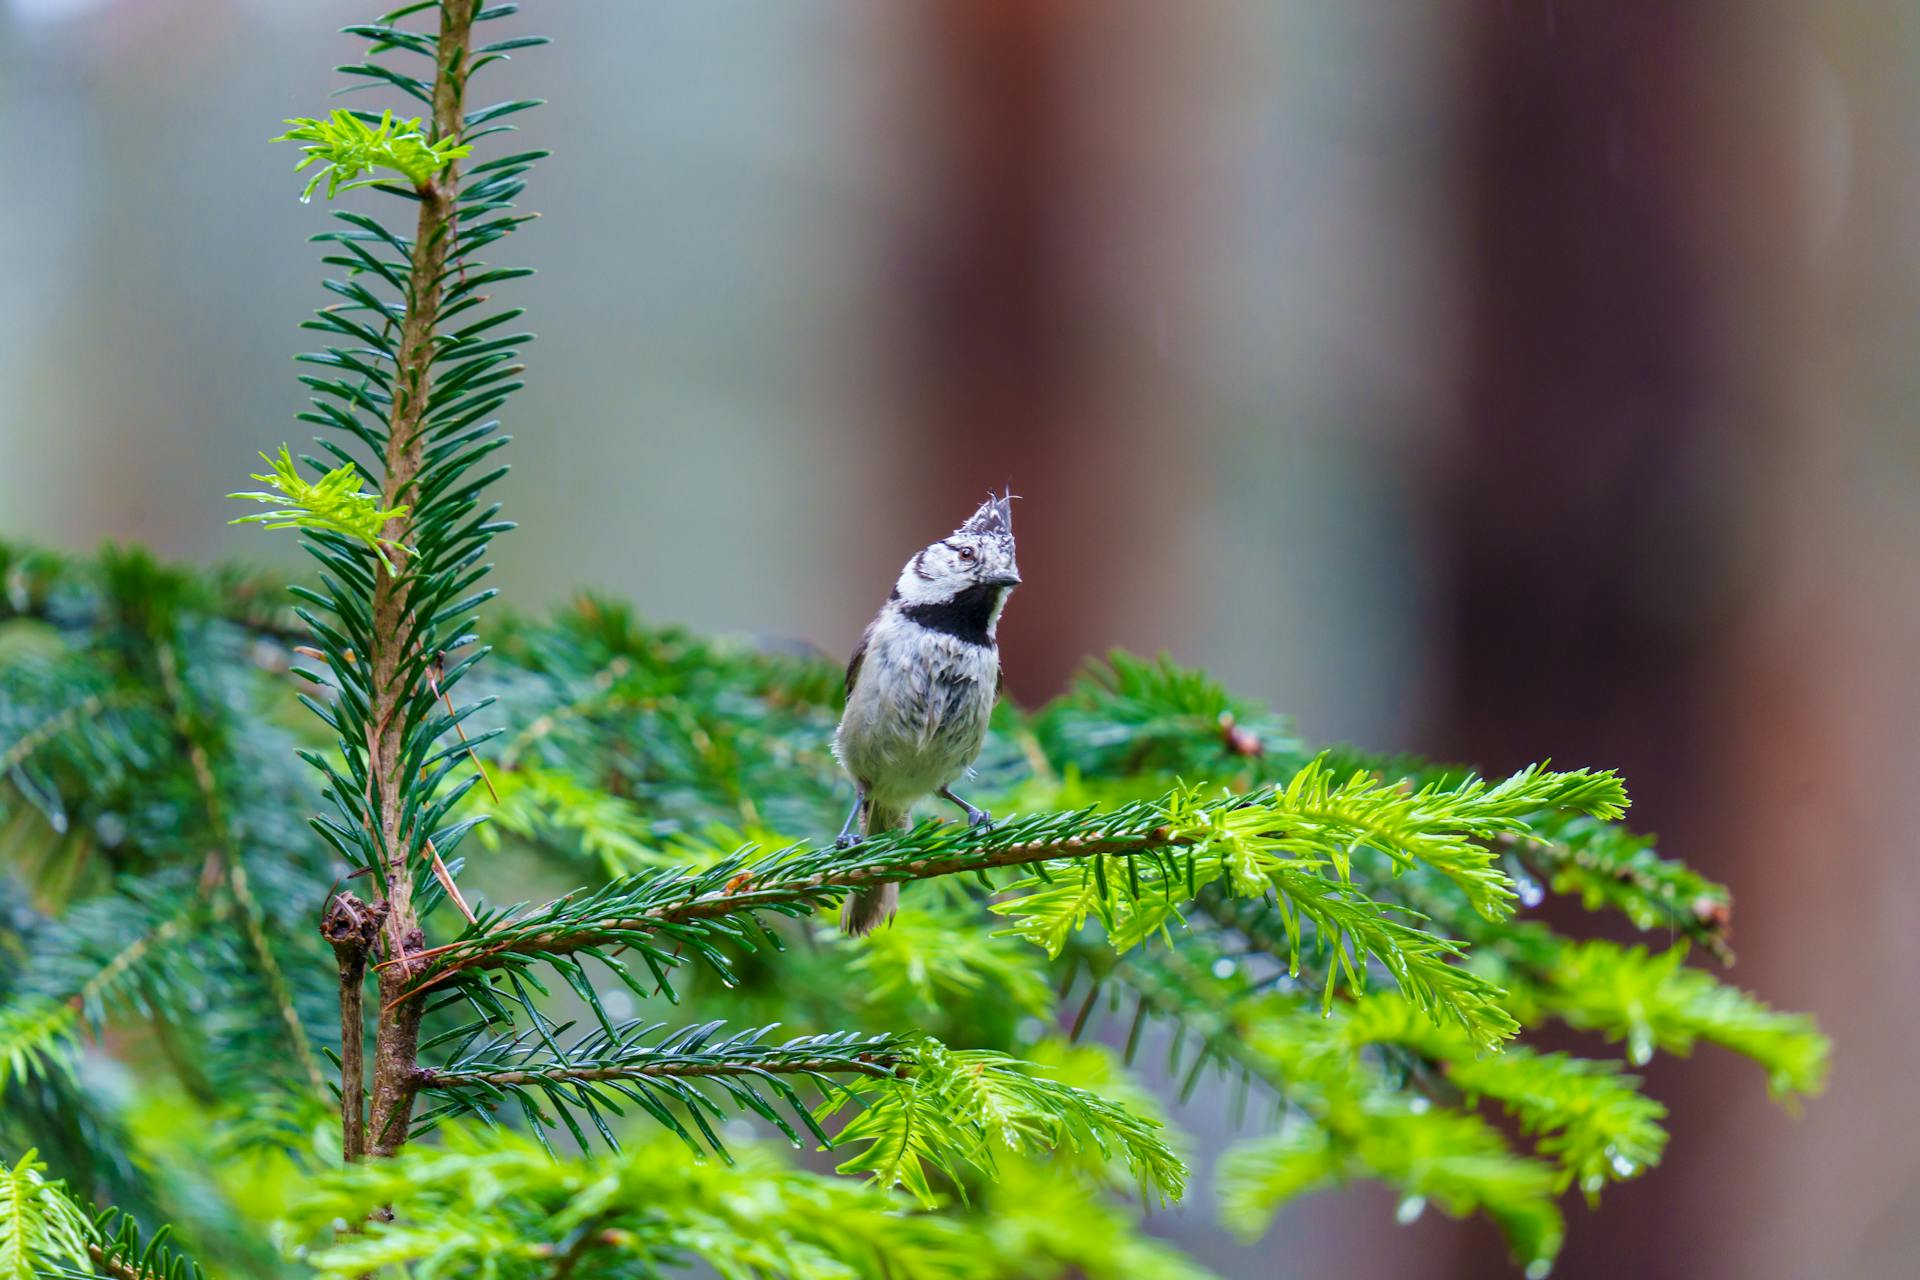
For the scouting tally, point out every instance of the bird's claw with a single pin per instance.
(978, 817)
(846, 841)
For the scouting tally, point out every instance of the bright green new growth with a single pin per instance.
(1656, 1002)
(39, 1223)
(491, 1204)
(333, 504)
(46, 1232)
(959, 1111)
(1296, 845)
(1588, 1116)
(348, 144)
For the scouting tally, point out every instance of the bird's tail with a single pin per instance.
(868, 909)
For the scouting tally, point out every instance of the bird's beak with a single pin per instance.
(1005, 580)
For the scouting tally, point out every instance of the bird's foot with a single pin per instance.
(846, 840)
(978, 817)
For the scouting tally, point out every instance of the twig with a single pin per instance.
(1707, 920)
(878, 1066)
(116, 1266)
(589, 1233)
(351, 926)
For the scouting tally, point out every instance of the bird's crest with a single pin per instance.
(993, 519)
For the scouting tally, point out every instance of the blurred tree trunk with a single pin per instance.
(1604, 484)
(1006, 359)
(1576, 490)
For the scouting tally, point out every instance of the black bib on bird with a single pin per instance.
(965, 617)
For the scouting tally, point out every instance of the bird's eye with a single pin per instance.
(966, 553)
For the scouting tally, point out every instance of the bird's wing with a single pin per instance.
(859, 656)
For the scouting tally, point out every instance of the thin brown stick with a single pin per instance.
(351, 926)
(114, 1265)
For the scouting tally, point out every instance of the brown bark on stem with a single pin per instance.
(351, 926)
(395, 628)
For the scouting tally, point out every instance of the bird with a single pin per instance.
(921, 687)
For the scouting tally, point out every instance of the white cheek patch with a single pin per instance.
(912, 587)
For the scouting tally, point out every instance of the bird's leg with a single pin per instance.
(975, 817)
(849, 835)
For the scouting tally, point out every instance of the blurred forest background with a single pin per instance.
(1493, 380)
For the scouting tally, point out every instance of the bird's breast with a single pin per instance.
(917, 715)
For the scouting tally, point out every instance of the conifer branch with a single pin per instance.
(1584, 1116)
(571, 1072)
(1610, 866)
(925, 1106)
(224, 861)
(45, 1230)
(414, 395)
(39, 1033)
(621, 1052)
(790, 882)
(23, 747)
(395, 638)
(796, 881)
(963, 1108)
(1654, 1001)
(1132, 865)
(1135, 714)
(661, 1075)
